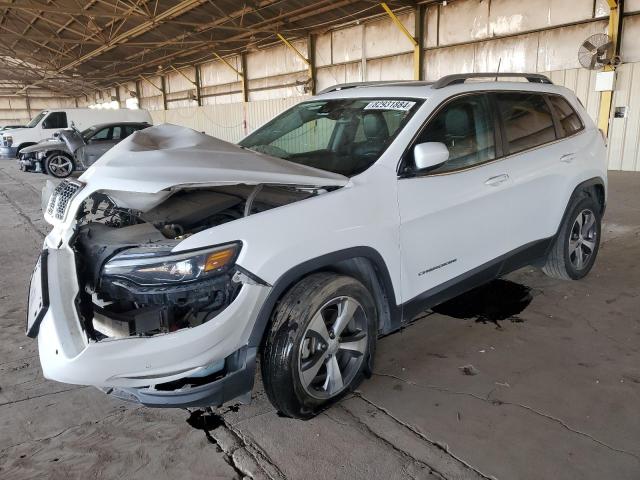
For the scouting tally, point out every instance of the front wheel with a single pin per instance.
(576, 246)
(59, 165)
(321, 343)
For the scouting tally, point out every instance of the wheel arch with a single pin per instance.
(593, 187)
(24, 145)
(363, 263)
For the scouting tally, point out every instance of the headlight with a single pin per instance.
(148, 266)
(8, 139)
(40, 155)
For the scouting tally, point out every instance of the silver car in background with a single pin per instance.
(72, 150)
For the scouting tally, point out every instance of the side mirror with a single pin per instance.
(429, 155)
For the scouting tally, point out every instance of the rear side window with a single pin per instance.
(465, 126)
(526, 119)
(55, 120)
(117, 133)
(570, 122)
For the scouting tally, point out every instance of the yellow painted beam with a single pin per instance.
(412, 39)
(180, 73)
(238, 72)
(606, 98)
(152, 84)
(297, 52)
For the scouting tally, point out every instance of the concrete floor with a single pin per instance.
(555, 394)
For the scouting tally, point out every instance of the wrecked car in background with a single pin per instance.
(70, 150)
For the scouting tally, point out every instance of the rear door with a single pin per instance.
(534, 163)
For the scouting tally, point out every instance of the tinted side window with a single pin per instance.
(569, 119)
(102, 134)
(117, 133)
(526, 119)
(129, 129)
(465, 126)
(55, 120)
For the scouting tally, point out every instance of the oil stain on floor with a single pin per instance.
(497, 300)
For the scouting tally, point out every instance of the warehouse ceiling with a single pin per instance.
(75, 47)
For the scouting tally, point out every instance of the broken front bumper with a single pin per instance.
(139, 368)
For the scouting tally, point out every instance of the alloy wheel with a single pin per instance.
(60, 166)
(333, 347)
(583, 239)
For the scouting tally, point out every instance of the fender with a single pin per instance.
(287, 279)
(586, 185)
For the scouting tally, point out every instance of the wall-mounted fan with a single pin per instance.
(596, 52)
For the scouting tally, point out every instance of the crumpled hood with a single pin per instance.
(45, 145)
(165, 156)
(72, 139)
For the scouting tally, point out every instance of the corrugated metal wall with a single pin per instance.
(231, 121)
(463, 36)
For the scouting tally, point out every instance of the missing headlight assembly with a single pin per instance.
(133, 284)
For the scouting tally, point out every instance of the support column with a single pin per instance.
(198, 84)
(243, 76)
(311, 55)
(616, 9)
(163, 83)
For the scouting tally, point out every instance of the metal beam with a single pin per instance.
(616, 10)
(296, 51)
(198, 85)
(163, 82)
(151, 83)
(179, 9)
(180, 73)
(238, 72)
(417, 51)
(310, 67)
(311, 54)
(245, 86)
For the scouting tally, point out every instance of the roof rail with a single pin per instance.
(344, 86)
(462, 77)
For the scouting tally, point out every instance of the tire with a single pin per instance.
(575, 248)
(59, 165)
(310, 358)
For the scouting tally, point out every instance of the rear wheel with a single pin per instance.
(320, 345)
(576, 246)
(59, 165)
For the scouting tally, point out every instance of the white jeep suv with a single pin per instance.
(178, 259)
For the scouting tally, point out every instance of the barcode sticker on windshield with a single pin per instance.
(402, 105)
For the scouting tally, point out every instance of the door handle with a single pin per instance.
(497, 180)
(568, 158)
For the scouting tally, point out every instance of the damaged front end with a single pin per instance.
(133, 284)
(131, 310)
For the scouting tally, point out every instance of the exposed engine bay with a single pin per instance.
(113, 304)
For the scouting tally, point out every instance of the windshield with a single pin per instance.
(343, 136)
(36, 120)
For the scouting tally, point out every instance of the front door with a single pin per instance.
(452, 217)
(98, 144)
